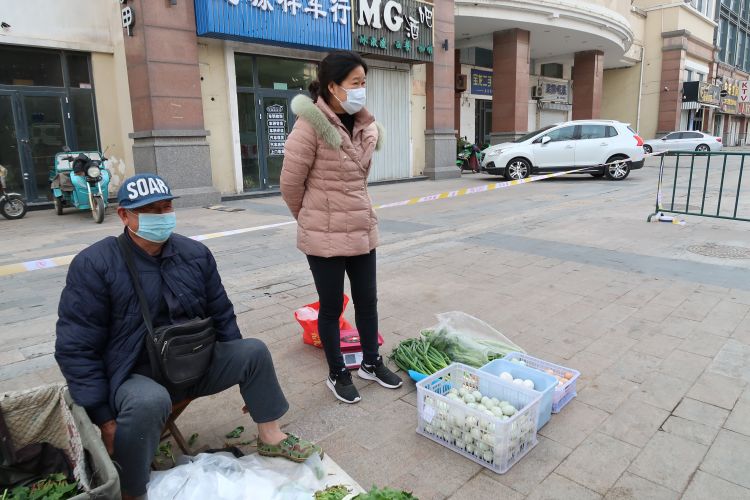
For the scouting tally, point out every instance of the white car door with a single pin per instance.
(670, 141)
(691, 140)
(559, 152)
(592, 146)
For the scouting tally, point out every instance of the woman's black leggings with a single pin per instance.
(328, 274)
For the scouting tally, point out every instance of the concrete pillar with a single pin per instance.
(510, 85)
(457, 99)
(440, 135)
(165, 94)
(588, 77)
(670, 91)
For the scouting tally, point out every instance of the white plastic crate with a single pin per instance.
(562, 395)
(494, 443)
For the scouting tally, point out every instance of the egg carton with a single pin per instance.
(491, 440)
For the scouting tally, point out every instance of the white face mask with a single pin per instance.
(355, 100)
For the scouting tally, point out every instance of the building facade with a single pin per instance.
(199, 91)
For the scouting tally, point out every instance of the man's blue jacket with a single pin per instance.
(100, 330)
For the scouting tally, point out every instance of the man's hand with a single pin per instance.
(108, 429)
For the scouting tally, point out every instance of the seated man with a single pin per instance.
(100, 336)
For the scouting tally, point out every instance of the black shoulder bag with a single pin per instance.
(179, 354)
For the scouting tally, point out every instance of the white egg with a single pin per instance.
(529, 384)
(518, 381)
(506, 376)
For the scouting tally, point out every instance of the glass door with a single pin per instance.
(276, 119)
(249, 150)
(10, 156)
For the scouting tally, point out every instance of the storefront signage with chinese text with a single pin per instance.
(555, 90)
(481, 82)
(276, 126)
(394, 28)
(709, 94)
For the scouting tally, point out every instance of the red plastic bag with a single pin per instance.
(307, 316)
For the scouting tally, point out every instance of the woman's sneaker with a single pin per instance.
(380, 374)
(342, 387)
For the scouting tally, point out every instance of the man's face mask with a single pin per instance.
(156, 228)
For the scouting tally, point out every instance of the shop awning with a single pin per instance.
(697, 105)
(559, 106)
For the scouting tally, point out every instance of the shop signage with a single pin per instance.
(128, 17)
(744, 96)
(276, 126)
(315, 24)
(709, 94)
(729, 98)
(481, 82)
(555, 90)
(395, 28)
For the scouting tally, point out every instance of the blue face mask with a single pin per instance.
(156, 228)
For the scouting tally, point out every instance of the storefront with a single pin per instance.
(697, 99)
(393, 36)
(728, 122)
(46, 104)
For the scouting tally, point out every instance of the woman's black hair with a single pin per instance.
(335, 67)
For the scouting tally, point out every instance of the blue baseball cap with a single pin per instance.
(143, 189)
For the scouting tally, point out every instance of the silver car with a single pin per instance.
(688, 140)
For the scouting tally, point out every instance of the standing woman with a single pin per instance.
(324, 184)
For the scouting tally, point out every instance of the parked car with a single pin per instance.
(569, 146)
(686, 140)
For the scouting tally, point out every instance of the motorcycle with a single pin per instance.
(12, 205)
(469, 157)
(81, 181)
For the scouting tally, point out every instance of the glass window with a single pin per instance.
(741, 50)
(248, 141)
(746, 67)
(746, 10)
(78, 70)
(612, 131)
(593, 132)
(552, 70)
(562, 134)
(243, 69)
(30, 67)
(85, 120)
(732, 45)
(285, 74)
(722, 39)
(673, 136)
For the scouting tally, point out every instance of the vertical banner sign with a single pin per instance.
(395, 28)
(744, 91)
(276, 126)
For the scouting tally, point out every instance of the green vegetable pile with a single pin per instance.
(55, 487)
(340, 491)
(461, 348)
(419, 355)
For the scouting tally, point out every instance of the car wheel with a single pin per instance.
(703, 148)
(517, 168)
(647, 149)
(619, 168)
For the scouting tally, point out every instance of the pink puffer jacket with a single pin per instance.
(324, 180)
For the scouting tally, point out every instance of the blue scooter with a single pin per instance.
(81, 180)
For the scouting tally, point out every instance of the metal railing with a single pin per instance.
(704, 185)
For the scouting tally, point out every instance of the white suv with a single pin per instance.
(569, 146)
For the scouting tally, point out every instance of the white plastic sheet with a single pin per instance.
(221, 476)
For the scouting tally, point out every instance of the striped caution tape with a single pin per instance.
(36, 265)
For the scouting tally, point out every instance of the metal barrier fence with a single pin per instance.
(704, 185)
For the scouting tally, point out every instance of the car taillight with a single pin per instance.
(718, 139)
(638, 140)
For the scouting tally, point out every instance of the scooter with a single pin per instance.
(469, 157)
(81, 180)
(12, 205)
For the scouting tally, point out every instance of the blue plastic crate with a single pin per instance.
(543, 383)
(562, 395)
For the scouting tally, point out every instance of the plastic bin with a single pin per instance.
(506, 441)
(48, 414)
(562, 395)
(543, 383)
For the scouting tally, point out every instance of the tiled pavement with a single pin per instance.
(569, 269)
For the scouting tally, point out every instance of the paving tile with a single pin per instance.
(739, 419)
(598, 462)
(632, 487)
(634, 422)
(590, 364)
(669, 461)
(729, 458)
(717, 390)
(610, 346)
(483, 486)
(726, 316)
(635, 366)
(675, 326)
(11, 356)
(525, 475)
(685, 365)
(697, 306)
(556, 487)
(704, 485)
(703, 344)
(688, 429)
(662, 390)
(571, 426)
(607, 392)
(733, 360)
(703, 413)
(657, 345)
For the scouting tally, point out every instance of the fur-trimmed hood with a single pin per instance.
(322, 119)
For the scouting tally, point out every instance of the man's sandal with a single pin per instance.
(292, 448)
